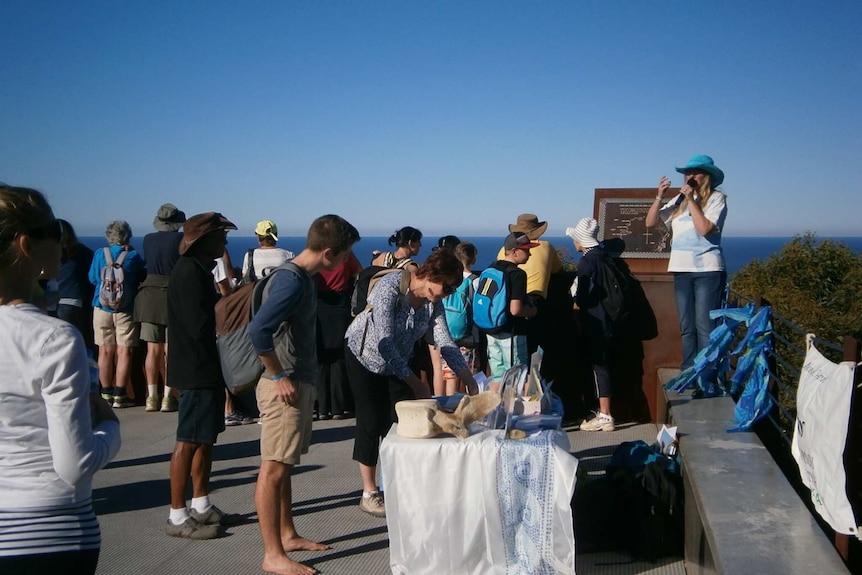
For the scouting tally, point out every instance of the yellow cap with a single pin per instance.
(267, 228)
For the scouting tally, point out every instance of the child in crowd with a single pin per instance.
(507, 345)
(466, 253)
(437, 378)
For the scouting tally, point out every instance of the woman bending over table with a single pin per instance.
(380, 341)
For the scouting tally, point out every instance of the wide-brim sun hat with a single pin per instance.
(530, 225)
(705, 163)
(200, 225)
(586, 232)
(169, 218)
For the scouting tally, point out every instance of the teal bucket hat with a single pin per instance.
(705, 163)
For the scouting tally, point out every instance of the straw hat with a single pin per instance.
(530, 225)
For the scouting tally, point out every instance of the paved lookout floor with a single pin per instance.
(131, 498)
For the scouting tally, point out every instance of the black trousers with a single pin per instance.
(375, 397)
(65, 563)
(537, 327)
(332, 393)
(333, 317)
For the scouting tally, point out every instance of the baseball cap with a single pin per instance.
(518, 240)
(267, 228)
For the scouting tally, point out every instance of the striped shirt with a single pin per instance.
(37, 531)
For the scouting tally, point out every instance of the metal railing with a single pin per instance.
(785, 364)
(776, 429)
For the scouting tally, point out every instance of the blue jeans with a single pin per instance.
(696, 294)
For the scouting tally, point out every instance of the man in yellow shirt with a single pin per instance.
(543, 262)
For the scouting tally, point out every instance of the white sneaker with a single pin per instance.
(600, 422)
(373, 504)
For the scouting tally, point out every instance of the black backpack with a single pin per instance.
(249, 276)
(648, 511)
(365, 283)
(615, 293)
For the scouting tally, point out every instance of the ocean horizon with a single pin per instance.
(738, 251)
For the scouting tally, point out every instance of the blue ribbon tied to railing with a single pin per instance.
(752, 368)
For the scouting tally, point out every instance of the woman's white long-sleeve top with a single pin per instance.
(48, 448)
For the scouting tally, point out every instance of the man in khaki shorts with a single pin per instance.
(284, 333)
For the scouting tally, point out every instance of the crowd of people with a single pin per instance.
(321, 357)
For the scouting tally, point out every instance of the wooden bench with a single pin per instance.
(742, 517)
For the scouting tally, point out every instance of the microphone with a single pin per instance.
(692, 183)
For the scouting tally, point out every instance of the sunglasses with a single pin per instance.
(52, 231)
(448, 289)
(693, 172)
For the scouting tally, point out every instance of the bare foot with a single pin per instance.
(302, 544)
(283, 565)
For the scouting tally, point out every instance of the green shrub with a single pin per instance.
(567, 259)
(815, 284)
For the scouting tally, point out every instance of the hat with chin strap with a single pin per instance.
(169, 218)
(200, 225)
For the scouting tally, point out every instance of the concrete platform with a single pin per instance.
(131, 498)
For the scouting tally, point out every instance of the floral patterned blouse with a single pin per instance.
(382, 337)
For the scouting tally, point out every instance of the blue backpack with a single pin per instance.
(491, 301)
(458, 309)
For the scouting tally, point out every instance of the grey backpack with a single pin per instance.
(112, 287)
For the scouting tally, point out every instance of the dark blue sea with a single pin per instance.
(738, 251)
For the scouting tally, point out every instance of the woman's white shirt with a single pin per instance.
(48, 448)
(690, 251)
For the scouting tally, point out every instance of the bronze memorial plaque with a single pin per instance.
(624, 218)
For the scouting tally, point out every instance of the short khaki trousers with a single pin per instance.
(116, 328)
(286, 429)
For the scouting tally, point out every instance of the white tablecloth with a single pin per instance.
(483, 505)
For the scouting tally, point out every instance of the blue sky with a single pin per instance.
(450, 116)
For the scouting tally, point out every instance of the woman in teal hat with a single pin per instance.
(696, 217)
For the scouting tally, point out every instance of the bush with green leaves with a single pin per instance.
(567, 259)
(815, 284)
